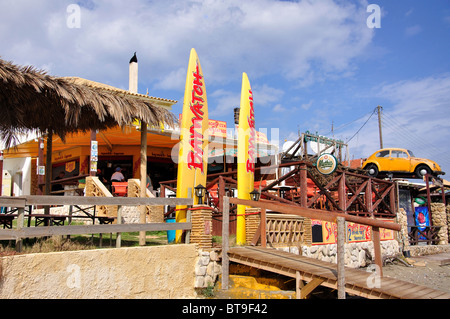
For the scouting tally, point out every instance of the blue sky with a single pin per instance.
(311, 64)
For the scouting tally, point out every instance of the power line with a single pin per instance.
(373, 112)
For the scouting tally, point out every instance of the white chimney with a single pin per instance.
(133, 81)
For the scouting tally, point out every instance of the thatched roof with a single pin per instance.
(32, 100)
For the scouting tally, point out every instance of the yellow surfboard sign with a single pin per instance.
(246, 155)
(193, 151)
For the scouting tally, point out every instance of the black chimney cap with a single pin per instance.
(134, 58)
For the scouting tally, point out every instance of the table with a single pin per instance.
(6, 220)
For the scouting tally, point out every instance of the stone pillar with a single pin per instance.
(252, 222)
(403, 238)
(201, 233)
(439, 218)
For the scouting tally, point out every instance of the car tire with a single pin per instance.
(421, 170)
(372, 170)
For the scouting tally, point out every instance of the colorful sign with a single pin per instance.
(215, 128)
(422, 218)
(246, 155)
(326, 164)
(94, 155)
(193, 151)
(324, 232)
(218, 128)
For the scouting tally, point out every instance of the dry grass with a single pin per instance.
(55, 243)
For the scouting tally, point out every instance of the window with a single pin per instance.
(383, 154)
(399, 154)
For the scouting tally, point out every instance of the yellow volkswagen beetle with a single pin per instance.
(399, 160)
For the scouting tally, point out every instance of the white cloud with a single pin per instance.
(279, 108)
(413, 30)
(225, 100)
(260, 37)
(306, 106)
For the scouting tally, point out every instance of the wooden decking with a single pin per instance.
(358, 282)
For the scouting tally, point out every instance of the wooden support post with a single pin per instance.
(263, 228)
(303, 185)
(298, 285)
(377, 249)
(368, 199)
(221, 192)
(310, 286)
(20, 221)
(48, 170)
(119, 221)
(342, 193)
(392, 199)
(41, 162)
(187, 238)
(225, 243)
(341, 257)
(143, 181)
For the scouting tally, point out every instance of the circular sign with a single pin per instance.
(326, 164)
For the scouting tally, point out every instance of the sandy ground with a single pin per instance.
(427, 271)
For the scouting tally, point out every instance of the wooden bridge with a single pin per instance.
(315, 272)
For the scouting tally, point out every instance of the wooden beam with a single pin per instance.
(324, 191)
(310, 286)
(124, 201)
(342, 194)
(119, 222)
(315, 213)
(356, 195)
(377, 249)
(303, 185)
(263, 228)
(143, 180)
(225, 243)
(88, 229)
(341, 231)
(10, 201)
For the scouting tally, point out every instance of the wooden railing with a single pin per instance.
(285, 230)
(95, 188)
(23, 232)
(331, 216)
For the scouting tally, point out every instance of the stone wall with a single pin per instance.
(439, 218)
(207, 267)
(136, 272)
(403, 233)
(357, 255)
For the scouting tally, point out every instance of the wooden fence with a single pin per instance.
(24, 232)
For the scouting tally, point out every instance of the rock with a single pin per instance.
(420, 264)
(200, 270)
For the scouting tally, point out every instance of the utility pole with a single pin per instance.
(379, 125)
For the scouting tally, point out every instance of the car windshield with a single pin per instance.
(411, 153)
